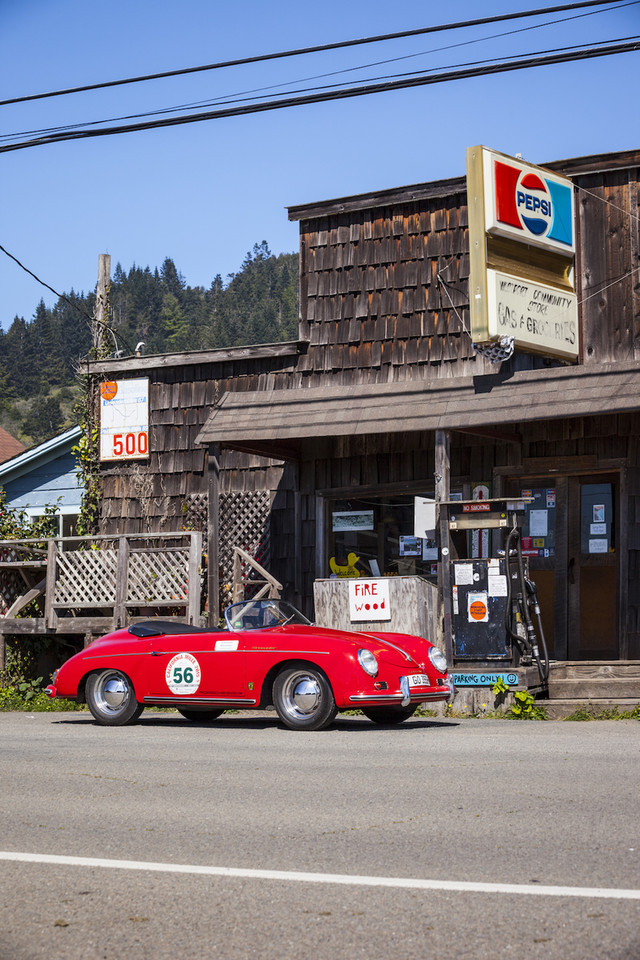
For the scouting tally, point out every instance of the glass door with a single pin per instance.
(571, 540)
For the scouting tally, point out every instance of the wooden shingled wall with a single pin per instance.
(384, 294)
(384, 280)
(159, 493)
(608, 215)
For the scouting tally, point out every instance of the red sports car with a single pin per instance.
(268, 655)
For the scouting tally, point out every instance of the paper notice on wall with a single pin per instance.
(598, 546)
(424, 512)
(497, 585)
(538, 523)
(463, 573)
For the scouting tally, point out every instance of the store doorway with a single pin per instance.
(571, 538)
(592, 568)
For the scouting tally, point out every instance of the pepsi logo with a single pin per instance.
(539, 206)
(534, 204)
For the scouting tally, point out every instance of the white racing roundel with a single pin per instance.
(183, 674)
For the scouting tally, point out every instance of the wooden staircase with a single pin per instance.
(594, 685)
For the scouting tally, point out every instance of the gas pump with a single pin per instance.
(492, 598)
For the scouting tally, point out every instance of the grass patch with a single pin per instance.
(12, 698)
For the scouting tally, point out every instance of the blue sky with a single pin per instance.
(204, 193)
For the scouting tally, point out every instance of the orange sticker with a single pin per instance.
(478, 610)
(108, 389)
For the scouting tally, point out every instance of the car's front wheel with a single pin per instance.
(204, 716)
(111, 698)
(303, 698)
(391, 714)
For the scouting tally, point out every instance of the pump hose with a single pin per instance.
(507, 556)
(542, 663)
(543, 671)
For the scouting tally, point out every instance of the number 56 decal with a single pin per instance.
(183, 674)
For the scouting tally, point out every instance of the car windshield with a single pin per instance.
(262, 614)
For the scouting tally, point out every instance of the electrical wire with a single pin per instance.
(232, 98)
(567, 55)
(62, 296)
(314, 49)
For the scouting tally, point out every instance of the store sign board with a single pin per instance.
(124, 419)
(522, 256)
(528, 204)
(369, 600)
(543, 319)
(349, 520)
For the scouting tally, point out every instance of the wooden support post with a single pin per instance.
(442, 493)
(122, 583)
(213, 535)
(50, 616)
(195, 567)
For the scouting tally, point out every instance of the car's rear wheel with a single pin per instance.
(303, 698)
(111, 698)
(391, 714)
(204, 716)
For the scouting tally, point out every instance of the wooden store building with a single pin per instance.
(311, 454)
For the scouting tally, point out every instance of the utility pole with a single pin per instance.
(102, 305)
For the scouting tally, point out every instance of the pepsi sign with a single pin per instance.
(529, 204)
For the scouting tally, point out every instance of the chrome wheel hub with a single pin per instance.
(306, 695)
(114, 693)
(301, 696)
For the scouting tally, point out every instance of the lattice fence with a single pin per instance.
(88, 578)
(196, 514)
(244, 522)
(158, 577)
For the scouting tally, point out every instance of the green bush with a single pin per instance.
(34, 701)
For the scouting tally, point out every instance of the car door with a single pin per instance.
(199, 668)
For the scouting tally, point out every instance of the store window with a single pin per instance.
(539, 526)
(375, 537)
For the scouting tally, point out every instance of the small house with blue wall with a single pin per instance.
(45, 476)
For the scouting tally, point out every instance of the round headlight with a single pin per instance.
(438, 659)
(368, 662)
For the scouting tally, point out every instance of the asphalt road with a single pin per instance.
(533, 810)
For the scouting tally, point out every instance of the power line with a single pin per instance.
(231, 98)
(320, 48)
(566, 55)
(62, 296)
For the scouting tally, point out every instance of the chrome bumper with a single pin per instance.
(404, 698)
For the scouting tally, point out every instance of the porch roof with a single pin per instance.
(263, 420)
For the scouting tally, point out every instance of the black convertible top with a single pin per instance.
(157, 628)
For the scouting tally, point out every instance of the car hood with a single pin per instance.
(399, 649)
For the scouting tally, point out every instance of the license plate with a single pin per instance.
(418, 680)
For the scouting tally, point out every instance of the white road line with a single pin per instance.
(536, 890)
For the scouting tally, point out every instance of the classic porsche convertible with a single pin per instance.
(268, 655)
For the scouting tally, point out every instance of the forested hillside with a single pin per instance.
(259, 304)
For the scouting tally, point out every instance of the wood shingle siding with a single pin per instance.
(153, 495)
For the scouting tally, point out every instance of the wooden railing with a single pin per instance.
(242, 578)
(82, 584)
